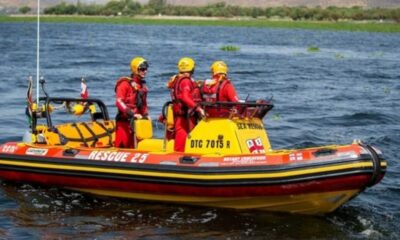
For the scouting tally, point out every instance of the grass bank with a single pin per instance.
(334, 26)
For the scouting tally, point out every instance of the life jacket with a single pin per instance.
(121, 80)
(140, 95)
(211, 92)
(176, 94)
(136, 99)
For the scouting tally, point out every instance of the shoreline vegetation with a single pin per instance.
(362, 26)
(158, 12)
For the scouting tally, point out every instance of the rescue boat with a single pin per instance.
(228, 161)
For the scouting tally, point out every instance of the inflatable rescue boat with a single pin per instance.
(228, 161)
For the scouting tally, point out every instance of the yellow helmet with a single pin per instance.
(78, 109)
(137, 63)
(186, 65)
(219, 67)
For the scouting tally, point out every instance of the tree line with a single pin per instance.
(160, 7)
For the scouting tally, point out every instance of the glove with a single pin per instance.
(130, 112)
(138, 116)
(146, 116)
(201, 112)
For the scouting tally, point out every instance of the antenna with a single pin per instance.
(37, 52)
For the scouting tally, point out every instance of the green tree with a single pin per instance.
(91, 9)
(157, 5)
(61, 8)
(296, 14)
(113, 8)
(24, 9)
(334, 16)
(269, 12)
(233, 10)
(280, 12)
(395, 15)
(256, 12)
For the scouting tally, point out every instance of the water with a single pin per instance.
(348, 90)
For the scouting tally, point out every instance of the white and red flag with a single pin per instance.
(84, 89)
(255, 145)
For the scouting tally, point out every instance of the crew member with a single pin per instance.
(219, 88)
(185, 96)
(131, 101)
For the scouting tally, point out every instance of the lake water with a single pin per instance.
(349, 89)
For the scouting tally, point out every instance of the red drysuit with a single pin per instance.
(131, 98)
(185, 95)
(218, 89)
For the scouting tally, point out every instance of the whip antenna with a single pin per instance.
(37, 52)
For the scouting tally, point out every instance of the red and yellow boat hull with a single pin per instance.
(307, 181)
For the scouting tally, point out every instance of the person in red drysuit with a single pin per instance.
(131, 101)
(218, 89)
(185, 97)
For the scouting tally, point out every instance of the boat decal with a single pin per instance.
(296, 156)
(255, 145)
(139, 158)
(108, 156)
(114, 156)
(9, 148)
(244, 160)
(210, 143)
(250, 125)
(36, 151)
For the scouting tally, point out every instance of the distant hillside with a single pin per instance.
(290, 3)
(14, 5)
(32, 3)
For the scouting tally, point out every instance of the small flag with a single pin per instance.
(255, 145)
(84, 89)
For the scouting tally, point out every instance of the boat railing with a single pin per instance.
(101, 112)
(248, 109)
(97, 132)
